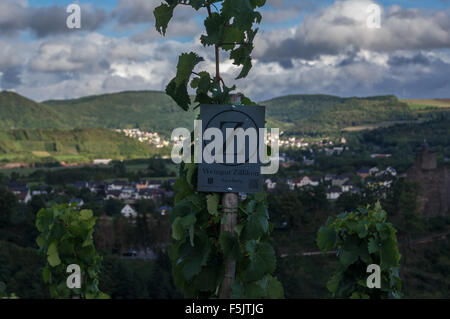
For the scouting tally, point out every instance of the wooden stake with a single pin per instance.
(230, 203)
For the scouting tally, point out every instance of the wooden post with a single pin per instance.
(230, 206)
(230, 203)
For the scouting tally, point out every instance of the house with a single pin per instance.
(128, 211)
(129, 193)
(142, 185)
(41, 190)
(374, 170)
(391, 171)
(334, 193)
(21, 190)
(338, 150)
(330, 177)
(271, 184)
(145, 193)
(81, 185)
(113, 194)
(117, 185)
(96, 187)
(363, 173)
(303, 181)
(347, 186)
(339, 180)
(102, 161)
(155, 184)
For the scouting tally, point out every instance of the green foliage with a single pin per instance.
(229, 28)
(362, 238)
(200, 249)
(67, 238)
(324, 114)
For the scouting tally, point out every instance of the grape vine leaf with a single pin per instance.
(163, 14)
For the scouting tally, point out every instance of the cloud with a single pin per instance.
(330, 51)
(10, 78)
(342, 25)
(16, 16)
(132, 12)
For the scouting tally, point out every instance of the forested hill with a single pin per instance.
(310, 114)
(152, 110)
(17, 111)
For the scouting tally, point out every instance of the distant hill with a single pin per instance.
(139, 109)
(301, 114)
(17, 111)
(77, 145)
(317, 114)
(421, 104)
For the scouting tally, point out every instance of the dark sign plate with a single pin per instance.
(237, 175)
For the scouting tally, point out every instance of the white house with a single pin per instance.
(128, 211)
(391, 170)
(270, 184)
(334, 193)
(102, 161)
(339, 180)
(374, 170)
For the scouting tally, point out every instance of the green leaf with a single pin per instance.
(262, 260)
(326, 238)
(212, 202)
(373, 245)
(389, 253)
(242, 55)
(214, 25)
(180, 225)
(86, 214)
(186, 64)
(197, 4)
(46, 275)
(242, 12)
(40, 240)
(163, 14)
(179, 94)
(190, 170)
(238, 229)
(333, 283)
(233, 35)
(275, 289)
(348, 257)
(52, 255)
(258, 3)
(230, 245)
(257, 224)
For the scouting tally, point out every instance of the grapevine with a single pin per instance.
(199, 248)
(66, 239)
(362, 238)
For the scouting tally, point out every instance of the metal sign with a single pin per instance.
(238, 168)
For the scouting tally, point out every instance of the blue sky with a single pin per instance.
(304, 47)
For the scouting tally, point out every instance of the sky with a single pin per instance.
(303, 47)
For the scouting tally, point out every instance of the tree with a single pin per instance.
(8, 202)
(199, 250)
